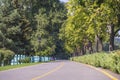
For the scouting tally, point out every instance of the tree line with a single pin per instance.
(90, 24)
(53, 28)
(30, 27)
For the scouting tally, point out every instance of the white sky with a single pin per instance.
(64, 0)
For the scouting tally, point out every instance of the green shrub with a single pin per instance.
(1, 57)
(6, 56)
(105, 60)
(25, 60)
(118, 68)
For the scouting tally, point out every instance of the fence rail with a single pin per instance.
(16, 59)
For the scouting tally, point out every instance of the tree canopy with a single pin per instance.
(90, 24)
(31, 27)
(53, 28)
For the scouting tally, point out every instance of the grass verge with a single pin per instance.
(16, 66)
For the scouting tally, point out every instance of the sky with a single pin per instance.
(64, 0)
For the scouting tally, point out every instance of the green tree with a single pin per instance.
(114, 20)
(49, 19)
(16, 26)
(87, 24)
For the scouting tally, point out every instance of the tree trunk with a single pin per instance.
(96, 44)
(73, 55)
(118, 17)
(90, 47)
(111, 32)
(99, 43)
(82, 49)
(78, 51)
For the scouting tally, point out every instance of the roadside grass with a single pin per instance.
(16, 66)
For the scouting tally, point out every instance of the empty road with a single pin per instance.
(58, 70)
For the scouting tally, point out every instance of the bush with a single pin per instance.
(6, 56)
(25, 60)
(105, 60)
(1, 58)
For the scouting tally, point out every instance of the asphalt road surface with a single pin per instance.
(58, 70)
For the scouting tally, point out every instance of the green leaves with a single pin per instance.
(48, 22)
(102, 59)
(87, 19)
(6, 56)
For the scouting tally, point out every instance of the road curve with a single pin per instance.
(59, 70)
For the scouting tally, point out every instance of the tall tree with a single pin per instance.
(114, 20)
(87, 25)
(16, 25)
(49, 19)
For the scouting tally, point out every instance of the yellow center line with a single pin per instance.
(102, 71)
(106, 73)
(50, 72)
